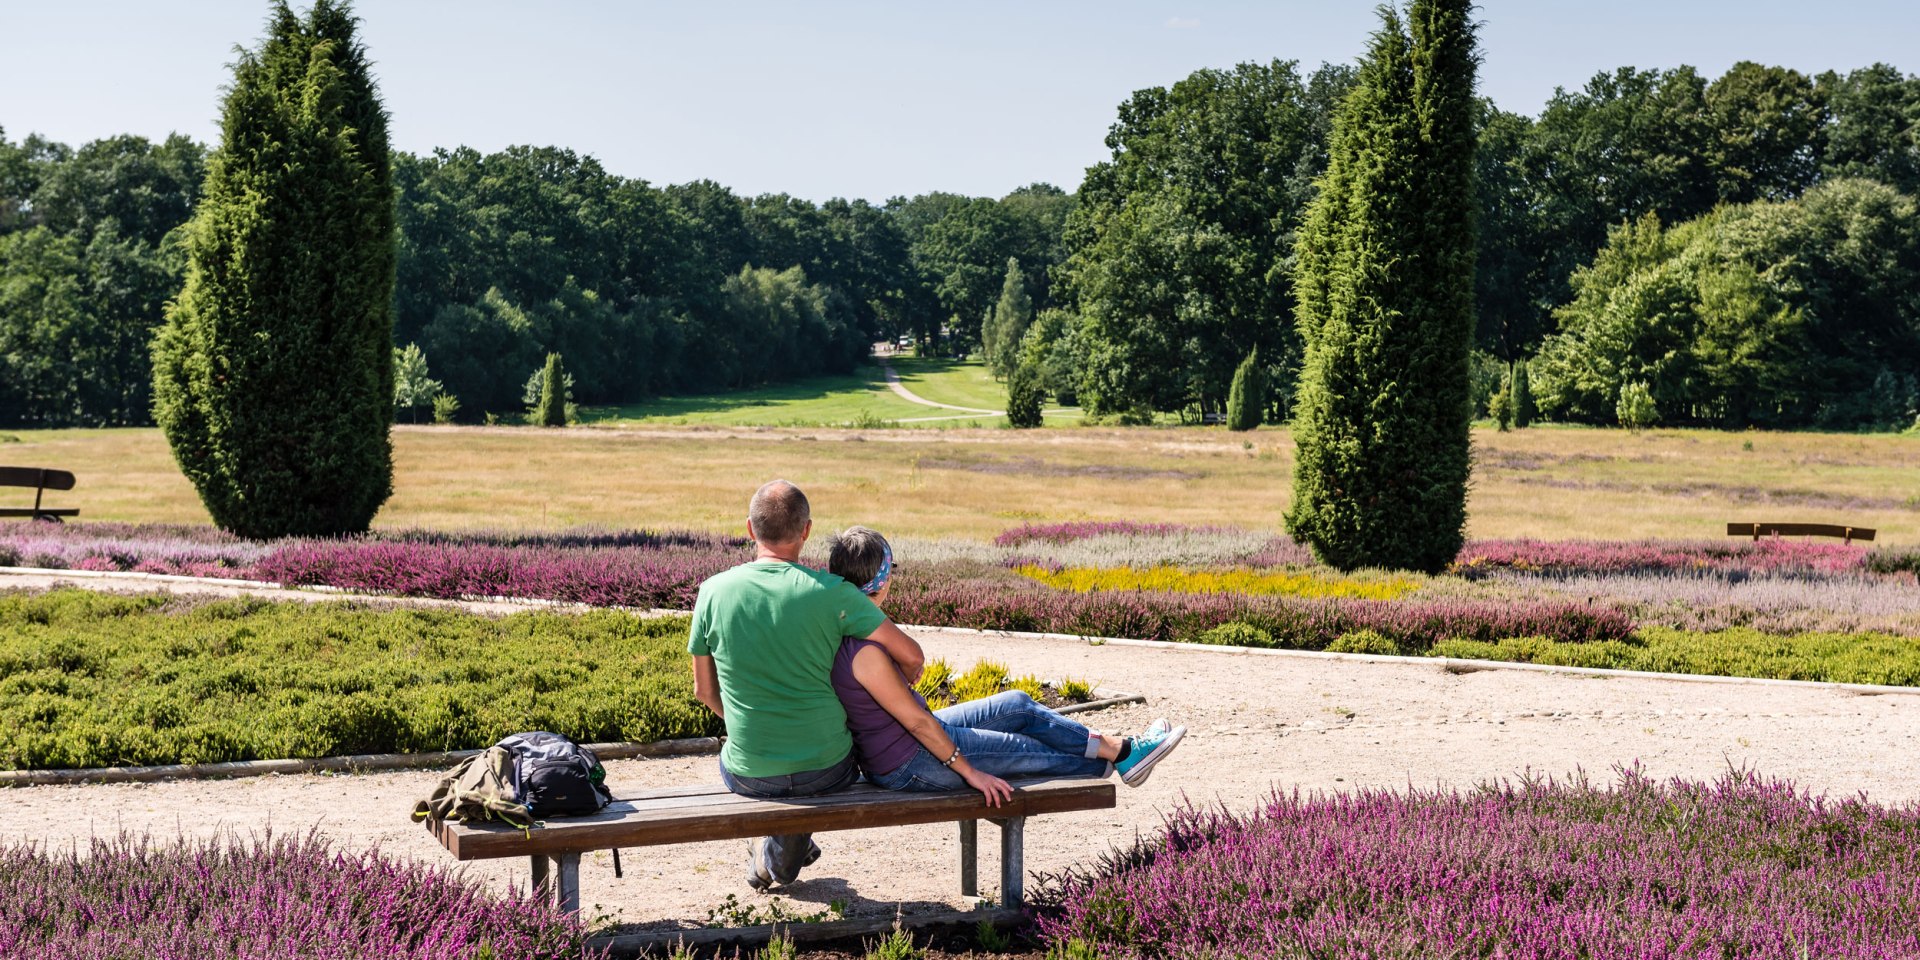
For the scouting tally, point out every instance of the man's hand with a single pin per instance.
(904, 650)
(706, 684)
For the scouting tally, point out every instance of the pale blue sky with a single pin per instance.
(844, 99)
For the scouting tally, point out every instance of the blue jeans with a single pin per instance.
(1006, 735)
(780, 858)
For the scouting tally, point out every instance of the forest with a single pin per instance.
(1732, 251)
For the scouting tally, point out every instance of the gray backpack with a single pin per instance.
(555, 777)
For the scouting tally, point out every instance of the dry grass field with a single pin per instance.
(1554, 483)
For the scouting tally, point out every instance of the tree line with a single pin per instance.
(1741, 247)
(504, 258)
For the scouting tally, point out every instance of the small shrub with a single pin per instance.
(779, 948)
(990, 938)
(1074, 691)
(934, 676)
(984, 680)
(1237, 634)
(898, 945)
(1025, 394)
(1637, 410)
(446, 408)
(556, 391)
(1027, 684)
(1364, 641)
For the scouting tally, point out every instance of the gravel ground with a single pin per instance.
(1257, 723)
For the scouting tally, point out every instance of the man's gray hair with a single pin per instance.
(855, 556)
(779, 513)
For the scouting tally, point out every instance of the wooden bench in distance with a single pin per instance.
(1758, 530)
(41, 481)
(692, 814)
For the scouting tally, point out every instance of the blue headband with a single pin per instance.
(886, 570)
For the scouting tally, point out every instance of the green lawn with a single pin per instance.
(859, 397)
(963, 383)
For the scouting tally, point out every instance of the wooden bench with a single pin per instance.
(1758, 530)
(692, 814)
(41, 481)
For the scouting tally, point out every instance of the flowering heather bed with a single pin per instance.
(1741, 867)
(1170, 579)
(1603, 557)
(260, 899)
(1265, 620)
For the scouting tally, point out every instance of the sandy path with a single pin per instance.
(1258, 722)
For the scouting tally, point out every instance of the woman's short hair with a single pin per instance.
(855, 555)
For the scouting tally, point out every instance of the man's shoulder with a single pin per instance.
(784, 577)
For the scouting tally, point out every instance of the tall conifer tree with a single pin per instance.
(273, 375)
(1385, 286)
(1007, 324)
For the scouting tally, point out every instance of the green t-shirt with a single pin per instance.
(772, 629)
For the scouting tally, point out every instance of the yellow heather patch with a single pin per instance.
(1253, 582)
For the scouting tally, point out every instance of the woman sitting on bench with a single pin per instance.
(902, 745)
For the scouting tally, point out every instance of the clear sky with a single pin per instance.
(844, 99)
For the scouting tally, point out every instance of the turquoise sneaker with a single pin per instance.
(1148, 749)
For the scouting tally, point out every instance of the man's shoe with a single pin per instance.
(1148, 749)
(760, 878)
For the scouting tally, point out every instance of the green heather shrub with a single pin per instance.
(984, 680)
(1738, 652)
(89, 679)
(1027, 684)
(932, 677)
(1364, 641)
(1237, 634)
(1078, 691)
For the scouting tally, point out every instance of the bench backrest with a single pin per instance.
(36, 477)
(1758, 530)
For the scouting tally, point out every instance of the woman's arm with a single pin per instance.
(876, 672)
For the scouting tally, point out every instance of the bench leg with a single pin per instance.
(542, 889)
(567, 895)
(969, 858)
(1013, 872)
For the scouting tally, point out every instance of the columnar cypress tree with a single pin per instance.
(1384, 280)
(1524, 409)
(273, 375)
(1006, 325)
(1249, 394)
(553, 394)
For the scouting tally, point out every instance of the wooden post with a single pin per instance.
(568, 893)
(1013, 874)
(541, 889)
(969, 858)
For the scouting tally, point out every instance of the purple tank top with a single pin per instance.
(881, 743)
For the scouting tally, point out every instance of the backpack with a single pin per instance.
(477, 790)
(554, 777)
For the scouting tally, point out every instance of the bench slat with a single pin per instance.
(43, 512)
(36, 477)
(670, 819)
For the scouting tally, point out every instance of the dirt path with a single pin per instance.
(1258, 723)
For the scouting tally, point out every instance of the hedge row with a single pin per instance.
(90, 679)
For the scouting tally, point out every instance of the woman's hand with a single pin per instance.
(996, 789)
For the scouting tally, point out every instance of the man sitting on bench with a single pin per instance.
(763, 639)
